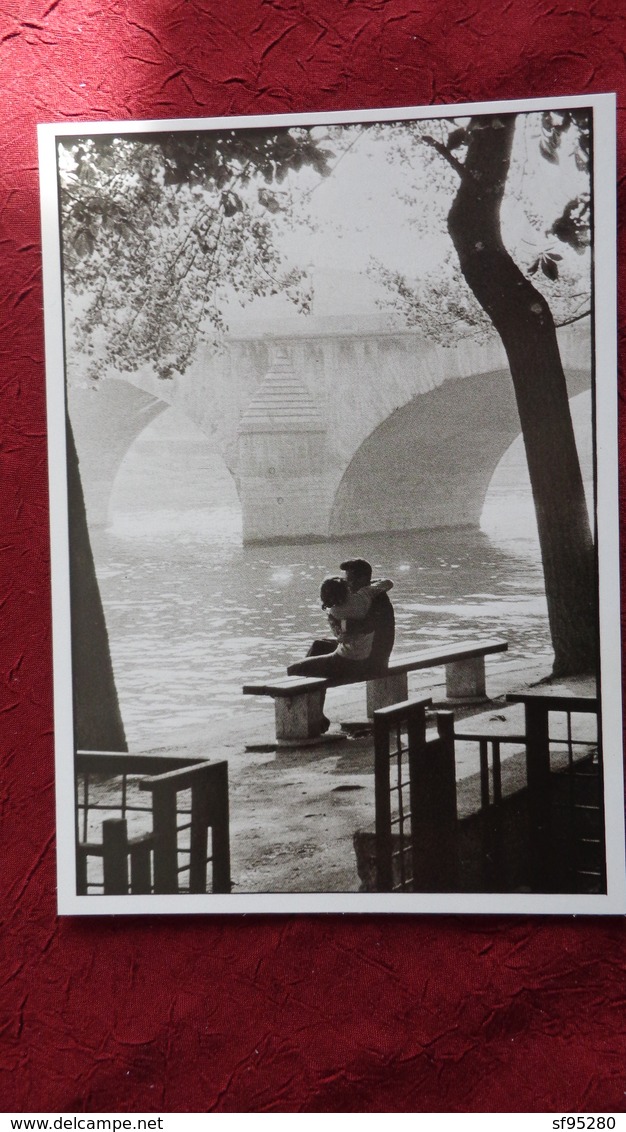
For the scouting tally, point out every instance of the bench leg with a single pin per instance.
(298, 718)
(386, 690)
(465, 679)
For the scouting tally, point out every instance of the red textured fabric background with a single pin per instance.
(253, 1014)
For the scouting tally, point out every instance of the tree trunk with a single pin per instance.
(524, 322)
(97, 719)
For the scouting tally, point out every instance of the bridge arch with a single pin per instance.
(430, 463)
(358, 381)
(107, 420)
(173, 483)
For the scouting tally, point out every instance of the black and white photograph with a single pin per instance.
(332, 434)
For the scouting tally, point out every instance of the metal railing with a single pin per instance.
(562, 776)
(494, 824)
(565, 786)
(415, 795)
(176, 805)
(538, 825)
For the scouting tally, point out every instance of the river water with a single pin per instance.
(192, 614)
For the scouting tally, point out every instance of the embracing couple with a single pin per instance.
(362, 622)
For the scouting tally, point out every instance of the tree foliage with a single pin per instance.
(546, 232)
(161, 231)
(164, 232)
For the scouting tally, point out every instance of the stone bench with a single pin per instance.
(298, 699)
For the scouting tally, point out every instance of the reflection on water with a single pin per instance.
(192, 614)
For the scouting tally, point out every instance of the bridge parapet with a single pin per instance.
(331, 428)
(373, 371)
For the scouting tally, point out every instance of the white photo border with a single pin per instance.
(613, 901)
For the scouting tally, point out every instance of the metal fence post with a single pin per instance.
(165, 838)
(384, 862)
(115, 856)
(140, 872)
(198, 837)
(433, 809)
(220, 829)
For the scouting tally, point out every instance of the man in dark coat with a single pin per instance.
(380, 620)
(358, 573)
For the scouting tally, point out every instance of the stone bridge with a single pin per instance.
(329, 432)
